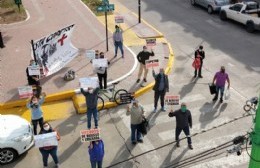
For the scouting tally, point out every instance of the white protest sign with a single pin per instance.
(25, 91)
(172, 99)
(90, 54)
(89, 82)
(99, 63)
(90, 135)
(34, 70)
(150, 42)
(48, 139)
(119, 19)
(151, 63)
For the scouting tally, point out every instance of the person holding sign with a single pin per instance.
(161, 86)
(91, 96)
(34, 80)
(118, 41)
(183, 123)
(142, 57)
(136, 112)
(36, 112)
(96, 153)
(49, 150)
(102, 73)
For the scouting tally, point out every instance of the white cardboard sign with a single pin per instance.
(172, 99)
(89, 82)
(90, 135)
(119, 19)
(25, 91)
(99, 63)
(34, 70)
(90, 54)
(43, 140)
(151, 63)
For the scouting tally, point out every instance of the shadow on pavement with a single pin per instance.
(188, 87)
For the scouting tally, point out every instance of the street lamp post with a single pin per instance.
(139, 11)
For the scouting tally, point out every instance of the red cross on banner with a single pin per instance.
(61, 40)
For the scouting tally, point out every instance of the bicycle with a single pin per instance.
(251, 104)
(113, 96)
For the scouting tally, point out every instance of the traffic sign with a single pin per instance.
(109, 7)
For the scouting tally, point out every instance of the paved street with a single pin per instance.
(185, 27)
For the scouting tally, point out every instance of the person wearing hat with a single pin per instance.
(118, 40)
(199, 53)
(183, 123)
(136, 112)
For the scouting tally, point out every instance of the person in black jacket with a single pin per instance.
(183, 123)
(161, 86)
(142, 57)
(199, 53)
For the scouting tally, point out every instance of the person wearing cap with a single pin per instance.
(220, 77)
(161, 86)
(199, 53)
(118, 40)
(136, 112)
(183, 123)
(142, 57)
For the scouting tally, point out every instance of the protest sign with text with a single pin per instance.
(150, 42)
(151, 63)
(100, 63)
(90, 135)
(90, 54)
(48, 139)
(25, 91)
(126, 98)
(89, 82)
(34, 70)
(172, 99)
(119, 19)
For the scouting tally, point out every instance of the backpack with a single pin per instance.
(70, 75)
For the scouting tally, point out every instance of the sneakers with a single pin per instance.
(214, 99)
(190, 146)
(155, 110)
(57, 166)
(140, 141)
(134, 143)
(178, 144)
(145, 80)
(138, 80)
(163, 109)
(200, 76)
(221, 100)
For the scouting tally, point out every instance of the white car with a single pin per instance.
(16, 137)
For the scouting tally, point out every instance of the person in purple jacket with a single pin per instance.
(96, 153)
(220, 77)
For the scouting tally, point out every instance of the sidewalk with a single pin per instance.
(134, 39)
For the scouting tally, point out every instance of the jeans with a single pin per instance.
(100, 78)
(120, 45)
(158, 94)
(93, 112)
(95, 164)
(186, 131)
(220, 89)
(135, 132)
(35, 123)
(195, 72)
(46, 153)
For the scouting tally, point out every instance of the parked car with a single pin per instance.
(16, 137)
(210, 5)
(247, 13)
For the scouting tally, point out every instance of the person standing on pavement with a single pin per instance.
(91, 96)
(142, 57)
(34, 80)
(183, 123)
(34, 105)
(118, 40)
(96, 153)
(161, 86)
(136, 112)
(49, 150)
(220, 77)
(102, 73)
(199, 53)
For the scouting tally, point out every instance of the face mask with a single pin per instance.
(91, 91)
(47, 128)
(117, 30)
(161, 73)
(145, 50)
(223, 70)
(34, 102)
(183, 109)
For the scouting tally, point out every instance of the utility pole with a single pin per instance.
(139, 11)
(255, 138)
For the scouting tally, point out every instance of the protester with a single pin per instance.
(91, 96)
(220, 77)
(34, 80)
(102, 73)
(199, 53)
(49, 150)
(142, 57)
(118, 40)
(136, 112)
(96, 152)
(183, 122)
(160, 88)
(36, 112)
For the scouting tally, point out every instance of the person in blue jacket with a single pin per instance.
(36, 112)
(96, 153)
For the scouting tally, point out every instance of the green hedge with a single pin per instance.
(93, 4)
